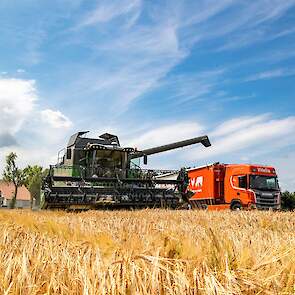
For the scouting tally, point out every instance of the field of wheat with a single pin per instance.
(147, 252)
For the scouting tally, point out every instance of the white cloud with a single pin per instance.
(17, 101)
(283, 33)
(246, 16)
(165, 134)
(243, 40)
(235, 124)
(248, 38)
(55, 118)
(135, 57)
(109, 10)
(21, 127)
(140, 55)
(141, 59)
(18, 98)
(20, 71)
(247, 23)
(247, 135)
(169, 132)
(276, 73)
(192, 86)
(202, 10)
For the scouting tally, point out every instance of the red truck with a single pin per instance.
(235, 186)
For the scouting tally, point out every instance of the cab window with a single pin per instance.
(242, 181)
(69, 154)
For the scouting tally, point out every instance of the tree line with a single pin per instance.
(31, 177)
(288, 201)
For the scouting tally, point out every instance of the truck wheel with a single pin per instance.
(236, 206)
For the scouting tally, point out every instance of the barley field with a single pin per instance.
(147, 252)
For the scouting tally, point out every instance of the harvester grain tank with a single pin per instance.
(98, 172)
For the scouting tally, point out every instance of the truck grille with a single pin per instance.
(267, 201)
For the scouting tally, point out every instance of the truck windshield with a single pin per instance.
(264, 182)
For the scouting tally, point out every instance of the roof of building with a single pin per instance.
(7, 191)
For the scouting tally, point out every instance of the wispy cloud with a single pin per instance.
(27, 26)
(243, 40)
(192, 86)
(275, 73)
(235, 124)
(133, 62)
(248, 134)
(266, 58)
(168, 133)
(248, 23)
(255, 139)
(244, 15)
(137, 56)
(143, 53)
(106, 11)
(254, 36)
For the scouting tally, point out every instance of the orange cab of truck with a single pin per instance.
(235, 186)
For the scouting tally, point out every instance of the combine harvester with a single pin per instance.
(97, 172)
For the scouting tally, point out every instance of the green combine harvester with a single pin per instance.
(97, 173)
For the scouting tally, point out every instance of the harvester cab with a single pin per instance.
(93, 157)
(98, 172)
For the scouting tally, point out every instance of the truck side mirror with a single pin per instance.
(144, 159)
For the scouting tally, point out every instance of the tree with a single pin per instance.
(34, 175)
(288, 200)
(14, 175)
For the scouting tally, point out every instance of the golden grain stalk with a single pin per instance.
(147, 252)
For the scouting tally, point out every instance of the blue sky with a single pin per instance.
(151, 72)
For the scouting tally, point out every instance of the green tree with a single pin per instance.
(12, 174)
(288, 200)
(34, 175)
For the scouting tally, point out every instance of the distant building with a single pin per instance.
(23, 198)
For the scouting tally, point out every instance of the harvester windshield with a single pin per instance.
(107, 159)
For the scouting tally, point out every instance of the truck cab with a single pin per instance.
(251, 186)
